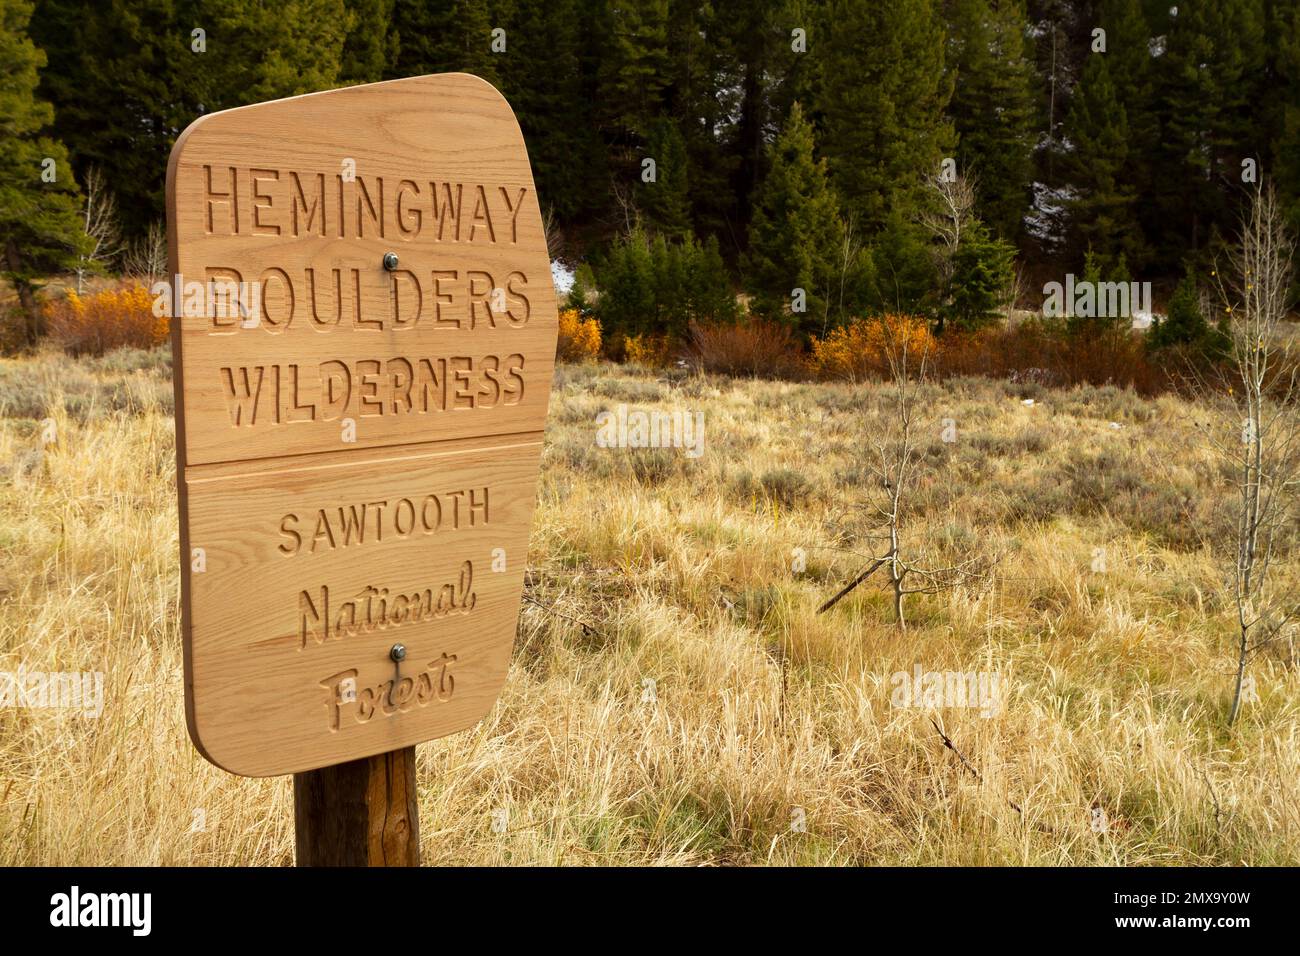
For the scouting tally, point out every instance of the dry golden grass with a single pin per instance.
(1117, 681)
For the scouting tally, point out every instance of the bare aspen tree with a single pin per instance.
(1015, 288)
(908, 350)
(627, 207)
(552, 231)
(850, 259)
(948, 215)
(951, 210)
(146, 258)
(99, 223)
(1259, 431)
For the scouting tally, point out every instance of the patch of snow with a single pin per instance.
(1046, 219)
(561, 277)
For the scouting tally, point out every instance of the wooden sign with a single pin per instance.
(363, 350)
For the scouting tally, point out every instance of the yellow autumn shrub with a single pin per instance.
(101, 321)
(579, 339)
(647, 350)
(862, 348)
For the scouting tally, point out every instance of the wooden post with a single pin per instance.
(359, 813)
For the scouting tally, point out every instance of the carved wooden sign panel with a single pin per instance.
(363, 348)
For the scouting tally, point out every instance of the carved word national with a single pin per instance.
(377, 609)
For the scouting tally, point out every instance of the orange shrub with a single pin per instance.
(102, 321)
(579, 339)
(648, 350)
(747, 347)
(862, 348)
(1033, 351)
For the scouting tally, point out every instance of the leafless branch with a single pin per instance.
(99, 223)
(1257, 430)
(146, 258)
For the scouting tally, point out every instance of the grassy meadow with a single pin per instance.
(767, 734)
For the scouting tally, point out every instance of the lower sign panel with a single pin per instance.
(329, 623)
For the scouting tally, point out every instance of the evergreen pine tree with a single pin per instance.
(636, 68)
(703, 59)
(1209, 77)
(982, 271)
(39, 226)
(992, 106)
(1131, 66)
(665, 201)
(883, 94)
(134, 73)
(541, 75)
(754, 59)
(369, 43)
(1286, 133)
(450, 37)
(710, 294)
(649, 285)
(901, 273)
(1184, 324)
(626, 282)
(257, 51)
(795, 234)
(121, 84)
(1103, 210)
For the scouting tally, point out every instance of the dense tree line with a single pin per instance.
(800, 138)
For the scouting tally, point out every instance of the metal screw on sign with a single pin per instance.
(390, 261)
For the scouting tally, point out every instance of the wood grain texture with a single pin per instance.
(229, 219)
(357, 450)
(359, 813)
